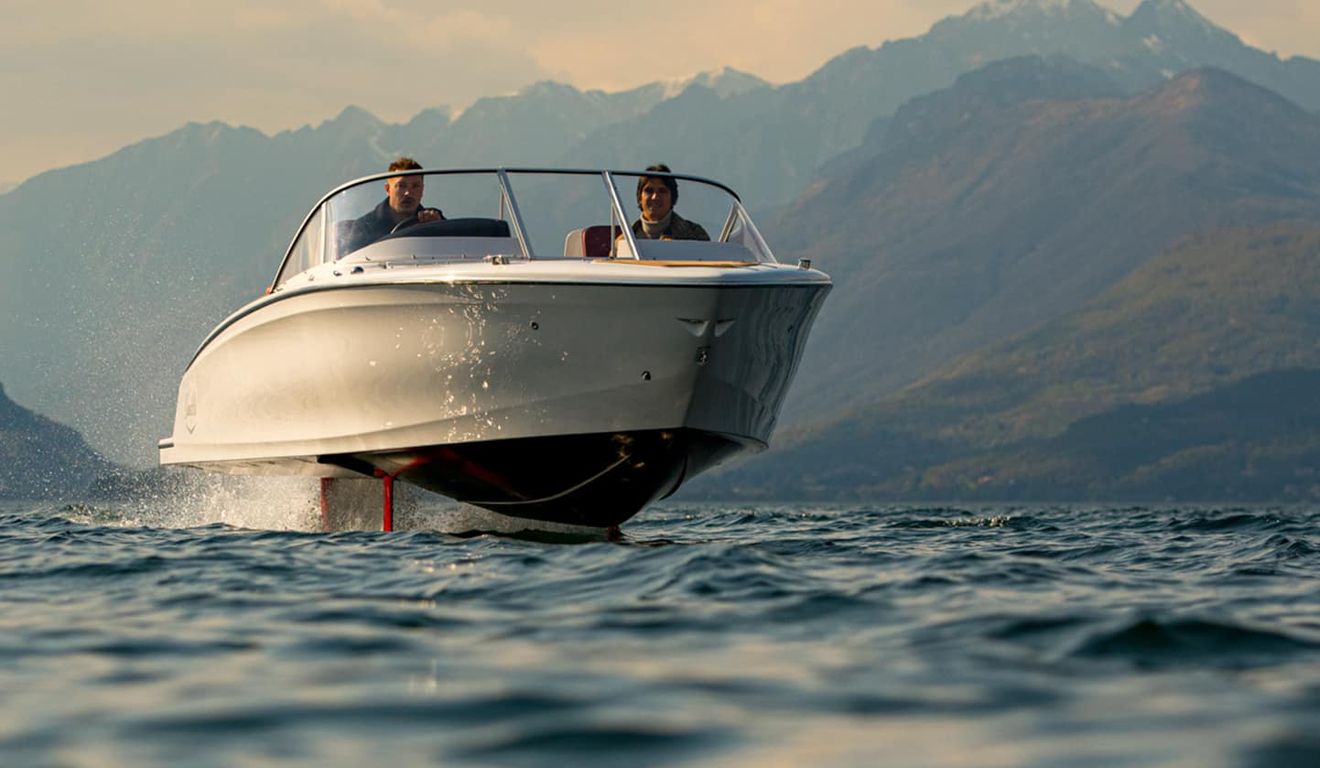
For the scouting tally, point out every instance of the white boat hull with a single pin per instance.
(576, 397)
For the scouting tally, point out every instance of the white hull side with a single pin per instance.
(375, 368)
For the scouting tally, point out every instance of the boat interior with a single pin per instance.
(505, 214)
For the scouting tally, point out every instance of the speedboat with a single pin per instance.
(528, 354)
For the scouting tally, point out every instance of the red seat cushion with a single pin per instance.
(596, 240)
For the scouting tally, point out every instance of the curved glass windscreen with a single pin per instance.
(526, 214)
(682, 218)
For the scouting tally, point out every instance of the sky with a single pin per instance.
(83, 78)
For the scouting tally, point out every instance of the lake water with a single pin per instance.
(728, 635)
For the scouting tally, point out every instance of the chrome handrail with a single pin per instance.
(515, 216)
(623, 218)
(761, 244)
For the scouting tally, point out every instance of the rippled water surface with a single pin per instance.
(712, 635)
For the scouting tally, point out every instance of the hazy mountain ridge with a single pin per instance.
(40, 459)
(1220, 307)
(999, 216)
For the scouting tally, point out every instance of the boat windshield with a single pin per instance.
(523, 214)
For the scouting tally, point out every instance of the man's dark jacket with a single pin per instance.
(375, 224)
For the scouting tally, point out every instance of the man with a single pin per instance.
(401, 208)
(656, 196)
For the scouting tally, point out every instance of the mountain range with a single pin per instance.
(984, 210)
(966, 189)
(1195, 377)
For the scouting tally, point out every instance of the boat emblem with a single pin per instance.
(695, 327)
(700, 328)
